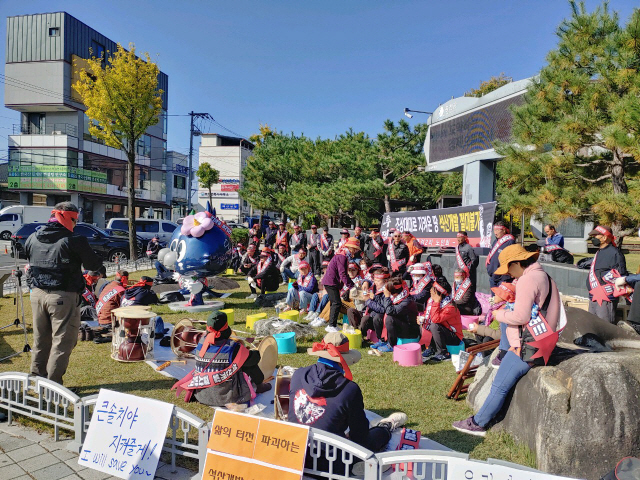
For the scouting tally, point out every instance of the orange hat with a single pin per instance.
(512, 253)
(352, 243)
(505, 291)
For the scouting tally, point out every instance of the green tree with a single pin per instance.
(490, 85)
(208, 176)
(276, 164)
(122, 100)
(576, 139)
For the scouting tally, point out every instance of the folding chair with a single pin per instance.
(468, 371)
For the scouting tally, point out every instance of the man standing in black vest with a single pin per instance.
(503, 240)
(466, 257)
(313, 247)
(56, 258)
(376, 248)
(298, 239)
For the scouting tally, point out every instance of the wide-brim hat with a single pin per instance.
(513, 253)
(352, 243)
(337, 339)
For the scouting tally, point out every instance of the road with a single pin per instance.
(7, 262)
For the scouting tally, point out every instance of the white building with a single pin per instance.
(229, 156)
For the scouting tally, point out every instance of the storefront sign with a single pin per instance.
(229, 206)
(56, 177)
(438, 228)
(230, 187)
(230, 180)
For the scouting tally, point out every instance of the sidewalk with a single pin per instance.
(26, 454)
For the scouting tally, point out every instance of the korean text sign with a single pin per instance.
(126, 435)
(254, 448)
(438, 228)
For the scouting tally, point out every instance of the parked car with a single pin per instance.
(146, 228)
(15, 216)
(109, 247)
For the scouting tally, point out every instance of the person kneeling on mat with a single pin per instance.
(324, 396)
(226, 371)
(442, 319)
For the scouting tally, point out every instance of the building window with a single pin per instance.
(97, 50)
(54, 32)
(165, 122)
(179, 182)
(144, 146)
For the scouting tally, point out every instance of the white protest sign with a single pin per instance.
(126, 435)
(459, 469)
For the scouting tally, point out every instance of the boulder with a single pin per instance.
(581, 415)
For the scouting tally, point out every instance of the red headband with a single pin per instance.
(439, 287)
(64, 218)
(143, 283)
(381, 275)
(461, 235)
(335, 351)
(604, 231)
(211, 337)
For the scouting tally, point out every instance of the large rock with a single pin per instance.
(581, 415)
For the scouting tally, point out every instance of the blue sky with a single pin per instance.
(318, 68)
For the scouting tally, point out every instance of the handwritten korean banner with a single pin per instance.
(438, 228)
(459, 469)
(254, 448)
(126, 435)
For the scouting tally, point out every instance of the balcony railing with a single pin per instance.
(49, 129)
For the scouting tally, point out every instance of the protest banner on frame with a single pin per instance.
(438, 228)
(126, 435)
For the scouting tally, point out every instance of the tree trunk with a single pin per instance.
(619, 187)
(387, 204)
(131, 169)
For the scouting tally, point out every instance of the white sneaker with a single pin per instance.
(253, 296)
(317, 322)
(313, 316)
(331, 329)
(394, 421)
(309, 317)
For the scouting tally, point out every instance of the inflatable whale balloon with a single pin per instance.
(201, 247)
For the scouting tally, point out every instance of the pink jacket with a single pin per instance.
(532, 287)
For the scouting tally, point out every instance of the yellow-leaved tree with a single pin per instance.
(122, 100)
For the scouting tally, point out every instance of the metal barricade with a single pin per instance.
(41, 399)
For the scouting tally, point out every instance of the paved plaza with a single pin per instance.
(26, 454)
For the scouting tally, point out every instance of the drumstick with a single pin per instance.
(166, 364)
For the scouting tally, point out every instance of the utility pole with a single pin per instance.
(193, 131)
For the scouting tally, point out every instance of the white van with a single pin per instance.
(14, 217)
(146, 228)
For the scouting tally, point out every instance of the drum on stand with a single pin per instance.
(133, 333)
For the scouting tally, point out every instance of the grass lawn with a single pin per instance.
(419, 392)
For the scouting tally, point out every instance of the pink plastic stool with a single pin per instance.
(407, 355)
(372, 337)
(468, 320)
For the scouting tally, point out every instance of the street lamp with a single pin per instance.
(408, 115)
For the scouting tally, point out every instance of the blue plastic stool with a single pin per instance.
(286, 342)
(402, 341)
(455, 349)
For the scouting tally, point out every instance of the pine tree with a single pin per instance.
(576, 139)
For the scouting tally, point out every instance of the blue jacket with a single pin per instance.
(321, 397)
(375, 305)
(311, 288)
(557, 239)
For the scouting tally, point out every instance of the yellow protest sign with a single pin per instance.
(248, 447)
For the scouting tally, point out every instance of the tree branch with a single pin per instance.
(590, 180)
(400, 178)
